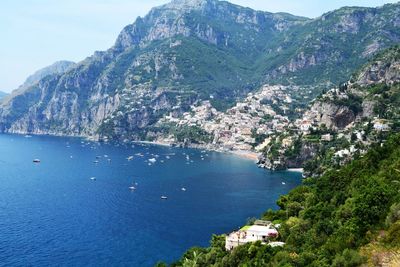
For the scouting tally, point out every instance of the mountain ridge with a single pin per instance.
(165, 62)
(3, 94)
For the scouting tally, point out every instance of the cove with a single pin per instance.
(53, 213)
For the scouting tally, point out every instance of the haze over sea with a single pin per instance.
(52, 213)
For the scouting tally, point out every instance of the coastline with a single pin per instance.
(152, 143)
(300, 170)
(246, 154)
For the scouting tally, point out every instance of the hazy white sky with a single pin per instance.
(36, 33)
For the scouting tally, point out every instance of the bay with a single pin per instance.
(53, 213)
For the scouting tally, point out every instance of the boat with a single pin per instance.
(183, 189)
(132, 188)
(95, 161)
(283, 183)
(164, 197)
(93, 178)
(130, 158)
(153, 160)
(36, 161)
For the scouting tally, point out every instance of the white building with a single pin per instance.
(251, 233)
(381, 125)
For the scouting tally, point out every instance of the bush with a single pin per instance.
(394, 214)
(393, 235)
(349, 258)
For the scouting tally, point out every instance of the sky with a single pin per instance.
(36, 33)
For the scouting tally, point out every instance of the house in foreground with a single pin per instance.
(262, 231)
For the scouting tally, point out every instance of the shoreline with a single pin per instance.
(300, 170)
(152, 143)
(246, 154)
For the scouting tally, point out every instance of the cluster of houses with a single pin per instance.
(263, 231)
(236, 128)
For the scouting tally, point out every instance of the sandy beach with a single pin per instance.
(295, 170)
(246, 154)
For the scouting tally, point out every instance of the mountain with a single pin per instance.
(343, 122)
(57, 68)
(2, 95)
(348, 214)
(193, 50)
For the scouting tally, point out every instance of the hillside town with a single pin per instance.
(239, 126)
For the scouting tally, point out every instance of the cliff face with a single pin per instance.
(192, 50)
(357, 99)
(344, 121)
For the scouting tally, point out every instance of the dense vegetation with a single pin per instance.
(328, 219)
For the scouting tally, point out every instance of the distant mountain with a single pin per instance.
(192, 50)
(2, 95)
(56, 68)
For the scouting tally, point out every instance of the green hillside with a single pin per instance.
(327, 220)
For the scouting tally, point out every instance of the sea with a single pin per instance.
(92, 204)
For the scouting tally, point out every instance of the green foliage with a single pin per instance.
(295, 149)
(394, 214)
(349, 258)
(327, 219)
(192, 134)
(393, 235)
(353, 102)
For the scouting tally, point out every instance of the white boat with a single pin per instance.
(93, 178)
(283, 183)
(183, 189)
(153, 160)
(132, 188)
(164, 197)
(130, 158)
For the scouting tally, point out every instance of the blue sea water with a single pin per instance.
(52, 213)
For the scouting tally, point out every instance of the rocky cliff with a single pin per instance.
(195, 50)
(342, 123)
